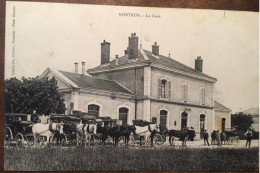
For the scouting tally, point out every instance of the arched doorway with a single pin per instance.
(93, 110)
(202, 125)
(123, 115)
(184, 120)
(223, 124)
(163, 118)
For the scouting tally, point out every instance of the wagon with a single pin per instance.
(18, 129)
(232, 134)
(158, 138)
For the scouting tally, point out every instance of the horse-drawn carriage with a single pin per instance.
(18, 128)
(69, 129)
(146, 133)
(231, 134)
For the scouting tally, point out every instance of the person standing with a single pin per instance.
(248, 135)
(206, 137)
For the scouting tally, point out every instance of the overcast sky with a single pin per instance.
(57, 35)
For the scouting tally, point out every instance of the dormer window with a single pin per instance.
(164, 88)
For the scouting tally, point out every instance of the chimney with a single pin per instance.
(105, 52)
(83, 68)
(133, 46)
(116, 59)
(155, 49)
(76, 67)
(198, 63)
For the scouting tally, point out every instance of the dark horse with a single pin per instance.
(67, 133)
(117, 132)
(183, 135)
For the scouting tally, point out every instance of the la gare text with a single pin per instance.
(139, 15)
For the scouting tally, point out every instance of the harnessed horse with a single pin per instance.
(46, 130)
(90, 130)
(146, 132)
(182, 134)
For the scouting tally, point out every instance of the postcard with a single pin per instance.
(116, 88)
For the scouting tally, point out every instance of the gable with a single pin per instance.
(60, 83)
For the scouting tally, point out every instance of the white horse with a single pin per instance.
(46, 130)
(90, 130)
(80, 131)
(146, 132)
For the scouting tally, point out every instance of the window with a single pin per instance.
(202, 95)
(93, 110)
(123, 114)
(185, 92)
(163, 118)
(184, 120)
(164, 88)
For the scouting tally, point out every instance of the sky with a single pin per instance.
(42, 35)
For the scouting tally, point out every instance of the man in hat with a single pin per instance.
(248, 134)
(206, 137)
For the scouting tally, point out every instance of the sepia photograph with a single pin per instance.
(120, 88)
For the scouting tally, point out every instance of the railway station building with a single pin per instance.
(142, 84)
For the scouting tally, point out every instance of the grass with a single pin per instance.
(107, 158)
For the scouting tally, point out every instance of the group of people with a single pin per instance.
(248, 134)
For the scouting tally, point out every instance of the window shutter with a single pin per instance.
(159, 87)
(169, 89)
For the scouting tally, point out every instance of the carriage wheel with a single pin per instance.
(158, 140)
(19, 139)
(8, 136)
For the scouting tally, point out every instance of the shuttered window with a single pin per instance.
(185, 91)
(164, 88)
(202, 95)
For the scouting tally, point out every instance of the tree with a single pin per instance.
(28, 94)
(241, 121)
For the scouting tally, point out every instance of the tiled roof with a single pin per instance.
(84, 81)
(163, 60)
(220, 107)
(173, 63)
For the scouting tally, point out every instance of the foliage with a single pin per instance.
(241, 121)
(29, 94)
(108, 158)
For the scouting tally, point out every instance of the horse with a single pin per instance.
(223, 138)
(80, 132)
(68, 131)
(182, 134)
(125, 132)
(146, 132)
(46, 130)
(114, 133)
(216, 138)
(90, 130)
